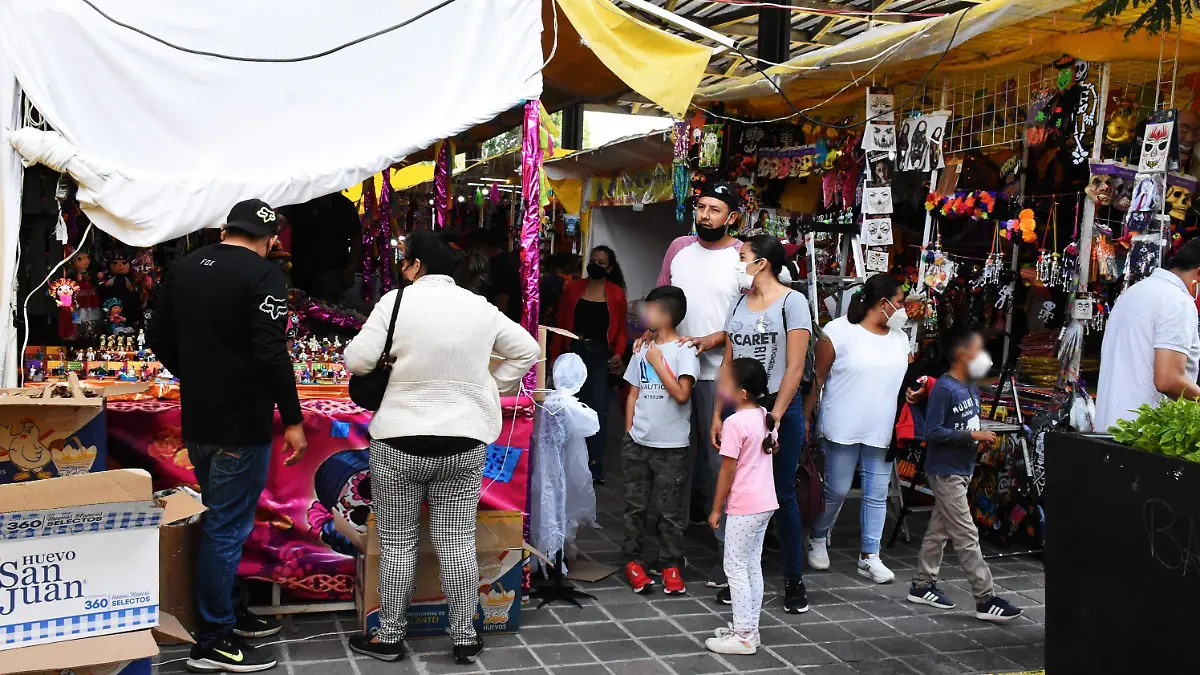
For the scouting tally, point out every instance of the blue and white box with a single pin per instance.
(79, 556)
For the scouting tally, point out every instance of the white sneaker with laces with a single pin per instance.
(818, 554)
(726, 641)
(874, 569)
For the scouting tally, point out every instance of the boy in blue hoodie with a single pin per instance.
(953, 435)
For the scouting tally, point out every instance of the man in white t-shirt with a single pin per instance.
(1151, 347)
(704, 266)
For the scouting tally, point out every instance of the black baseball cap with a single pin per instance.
(254, 217)
(725, 193)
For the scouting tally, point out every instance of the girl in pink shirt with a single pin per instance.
(746, 494)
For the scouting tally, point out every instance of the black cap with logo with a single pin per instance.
(725, 193)
(254, 217)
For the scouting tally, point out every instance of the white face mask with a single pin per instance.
(744, 278)
(979, 366)
(898, 318)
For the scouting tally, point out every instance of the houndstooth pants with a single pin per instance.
(400, 484)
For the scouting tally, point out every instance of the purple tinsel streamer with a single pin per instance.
(368, 239)
(531, 162)
(329, 316)
(383, 237)
(441, 186)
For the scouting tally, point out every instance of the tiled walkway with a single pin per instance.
(854, 626)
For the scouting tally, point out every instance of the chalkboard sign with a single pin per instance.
(1122, 559)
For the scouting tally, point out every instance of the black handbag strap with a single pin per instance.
(386, 357)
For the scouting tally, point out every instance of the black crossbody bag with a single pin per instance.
(367, 390)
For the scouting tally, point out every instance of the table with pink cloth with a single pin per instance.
(296, 540)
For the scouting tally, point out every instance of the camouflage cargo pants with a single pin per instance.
(654, 477)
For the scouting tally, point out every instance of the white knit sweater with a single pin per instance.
(441, 384)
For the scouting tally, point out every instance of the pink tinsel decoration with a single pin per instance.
(441, 186)
(531, 162)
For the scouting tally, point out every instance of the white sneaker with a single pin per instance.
(725, 641)
(818, 554)
(874, 569)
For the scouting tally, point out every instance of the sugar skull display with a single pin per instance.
(1156, 147)
(343, 489)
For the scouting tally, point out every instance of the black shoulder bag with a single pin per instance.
(367, 390)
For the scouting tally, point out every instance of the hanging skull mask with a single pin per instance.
(1156, 147)
(1179, 201)
(1099, 189)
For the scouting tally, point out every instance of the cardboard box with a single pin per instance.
(54, 430)
(79, 558)
(499, 546)
(177, 544)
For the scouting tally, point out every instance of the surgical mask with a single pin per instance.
(898, 318)
(979, 366)
(744, 278)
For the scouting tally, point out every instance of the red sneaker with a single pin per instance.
(638, 579)
(673, 582)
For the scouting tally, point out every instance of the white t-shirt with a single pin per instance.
(859, 402)
(1155, 313)
(708, 278)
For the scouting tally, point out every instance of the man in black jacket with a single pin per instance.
(220, 327)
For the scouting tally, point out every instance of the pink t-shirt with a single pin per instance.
(753, 489)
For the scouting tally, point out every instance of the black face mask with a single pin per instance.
(711, 234)
(596, 272)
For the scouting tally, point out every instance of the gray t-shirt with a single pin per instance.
(762, 335)
(660, 421)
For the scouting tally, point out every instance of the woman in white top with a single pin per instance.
(428, 439)
(860, 362)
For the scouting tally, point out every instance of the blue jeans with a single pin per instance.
(231, 480)
(595, 394)
(840, 463)
(787, 517)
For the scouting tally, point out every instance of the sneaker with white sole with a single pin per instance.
(818, 554)
(726, 641)
(874, 569)
(996, 609)
(930, 595)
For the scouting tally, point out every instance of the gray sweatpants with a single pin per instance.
(951, 521)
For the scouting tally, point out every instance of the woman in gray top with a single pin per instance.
(771, 324)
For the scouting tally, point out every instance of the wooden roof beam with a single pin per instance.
(798, 36)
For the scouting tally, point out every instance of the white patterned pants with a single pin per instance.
(400, 484)
(743, 565)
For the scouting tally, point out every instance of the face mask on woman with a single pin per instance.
(744, 278)
(898, 318)
(979, 366)
(595, 271)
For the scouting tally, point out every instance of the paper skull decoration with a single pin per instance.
(1099, 189)
(1156, 147)
(1179, 201)
(884, 136)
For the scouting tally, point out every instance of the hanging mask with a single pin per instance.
(1099, 189)
(1156, 147)
(1123, 191)
(1179, 201)
(1121, 123)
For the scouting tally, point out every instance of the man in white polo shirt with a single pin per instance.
(1151, 348)
(704, 265)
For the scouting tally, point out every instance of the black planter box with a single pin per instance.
(1122, 559)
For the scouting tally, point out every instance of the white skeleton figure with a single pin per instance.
(1004, 297)
(1046, 312)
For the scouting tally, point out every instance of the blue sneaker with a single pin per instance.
(929, 595)
(996, 609)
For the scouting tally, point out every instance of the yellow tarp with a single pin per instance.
(569, 192)
(402, 179)
(664, 68)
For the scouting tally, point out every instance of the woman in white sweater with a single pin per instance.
(429, 438)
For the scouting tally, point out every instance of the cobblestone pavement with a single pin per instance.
(854, 626)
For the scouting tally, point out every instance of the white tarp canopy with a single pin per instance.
(167, 113)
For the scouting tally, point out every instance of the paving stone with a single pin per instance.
(570, 615)
(316, 650)
(640, 610)
(700, 664)
(806, 655)
(869, 628)
(773, 636)
(598, 632)
(588, 669)
(366, 666)
(1028, 656)
(508, 658)
(933, 664)
(858, 650)
(950, 642)
(824, 632)
(547, 635)
(563, 655)
(884, 667)
(984, 661)
(833, 669)
(671, 646)
(901, 646)
(618, 650)
(645, 628)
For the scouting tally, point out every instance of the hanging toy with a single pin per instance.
(1004, 298)
(1099, 316)
(1105, 257)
